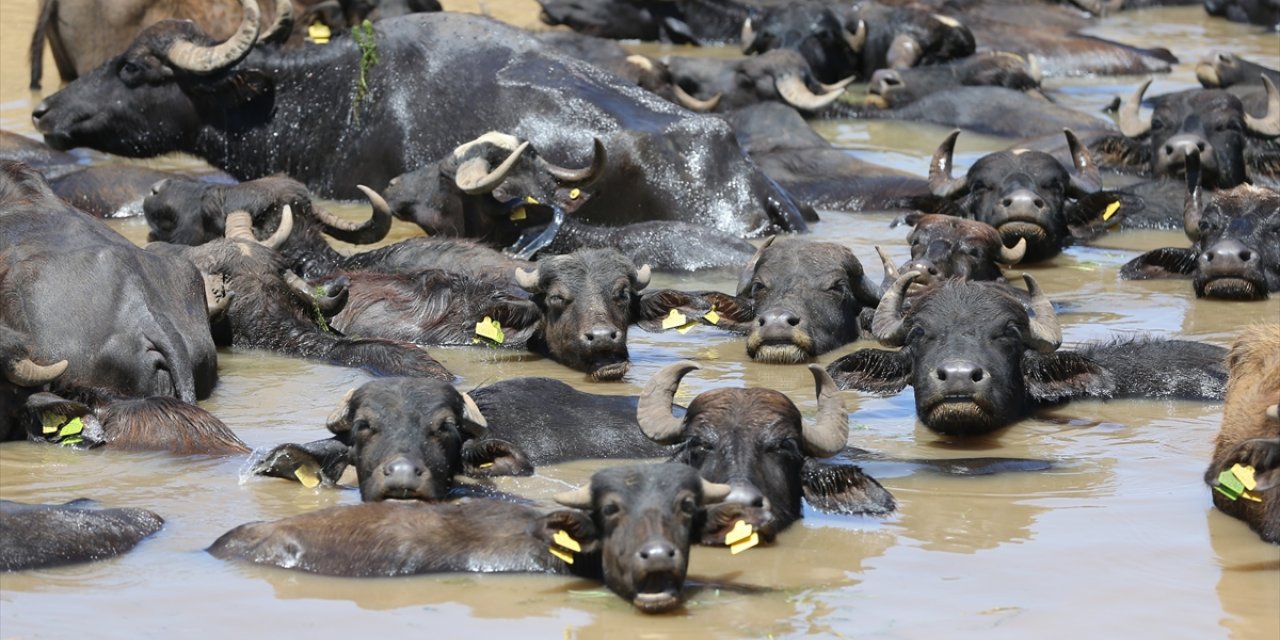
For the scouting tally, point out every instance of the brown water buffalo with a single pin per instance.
(1222, 69)
(945, 247)
(895, 88)
(630, 527)
(108, 191)
(1250, 432)
(39, 536)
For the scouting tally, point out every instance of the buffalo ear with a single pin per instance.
(1117, 152)
(1091, 215)
(322, 460)
(576, 523)
(655, 305)
(55, 408)
(238, 88)
(493, 457)
(873, 371)
(1161, 264)
(844, 489)
(515, 316)
(1263, 454)
(1061, 375)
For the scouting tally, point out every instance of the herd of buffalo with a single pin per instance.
(554, 174)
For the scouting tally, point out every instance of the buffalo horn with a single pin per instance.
(195, 58)
(1269, 124)
(579, 498)
(528, 280)
(940, 181)
(838, 84)
(904, 52)
(748, 34)
(643, 275)
(472, 412)
(1131, 124)
(1085, 179)
(830, 431)
(888, 325)
(583, 176)
(239, 226)
(339, 420)
(367, 232)
(749, 272)
(1033, 67)
(475, 177)
(1046, 335)
(1273, 411)
(695, 104)
(282, 231)
(640, 62)
(1013, 255)
(858, 38)
(329, 305)
(26, 373)
(282, 27)
(1194, 202)
(793, 90)
(654, 409)
(890, 269)
(713, 492)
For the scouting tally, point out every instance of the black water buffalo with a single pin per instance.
(271, 308)
(1222, 69)
(1250, 433)
(992, 110)
(1027, 195)
(779, 75)
(1234, 146)
(1234, 252)
(677, 21)
(36, 154)
(630, 527)
(978, 360)
(895, 88)
(797, 300)
(1260, 12)
(39, 536)
(407, 438)
(108, 191)
(174, 90)
(944, 247)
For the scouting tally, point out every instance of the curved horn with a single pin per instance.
(282, 27)
(1086, 178)
(471, 411)
(1194, 202)
(713, 492)
(654, 409)
(26, 373)
(858, 38)
(748, 34)
(527, 280)
(1046, 335)
(640, 62)
(583, 176)
(1013, 255)
(239, 226)
(1269, 124)
(830, 431)
(1273, 411)
(890, 269)
(940, 181)
(203, 59)
(793, 90)
(888, 324)
(904, 52)
(282, 231)
(475, 177)
(216, 297)
(338, 421)
(695, 104)
(643, 275)
(1131, 124)
(372, 230)
(749, 271)
(579, 498)
(838, 84)
(1033, 68)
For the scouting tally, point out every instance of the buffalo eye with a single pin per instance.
(1157, 124)
(974, 251)
(610, 509)
(557, 300)
(788, 446)
(916, 333)
(758, 288)
(1009, 331)
(1229, 125)
(688, 505)
(839, 286)
(623, 295)
(978, 186)
(364, 428)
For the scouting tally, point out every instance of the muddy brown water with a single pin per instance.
(1119, 539)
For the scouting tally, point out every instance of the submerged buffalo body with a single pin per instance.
(38, 536)
(173, 90)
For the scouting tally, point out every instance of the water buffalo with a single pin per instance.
(1233, 254)
(992, 110)
(1222, 69)
(1250, 433)
(677, 21)
(944, 247)
(896, 88)
(779, 75)
(108, 191)
(36, 154)
(174, 90)
(1027, 195)
(630, 527)
(979, 361)
(407, 438)
(39, 536)
(1260, 12)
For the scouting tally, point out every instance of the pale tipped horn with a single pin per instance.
(372, 230)
(527, 280)
(475, 177)
(282, 231)
(579, 498)
(940, 181)
(1033, 68)
(890, 269)
(282, 27)
(653, 412)
(1085, 179)
(889, 325)
(858, 38)
(1269, 124)
(471, 411)
(1273, 411)
(749, 271)
(239, 226)
(26, 373)
(795, 93)
(695, 104)
(643, 275)
(339, 421)
(829, 433)
(904, 52)
(1013, 255)
(195, 58)
(1131, 123)
(713, 492)
(640, 62)
(1046, 334)
(838, 84)
(1194, 202)
(748, 34)
(583, 176)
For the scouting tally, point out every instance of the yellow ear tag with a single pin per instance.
(1244, 473)
(308, 477)
(531, 200)
(565, 540)
(674, 319)
(1110, 210)
(563, 555)
(711, 316)
(50, 421)
(490, 330)
(741, 537)
(518, 214)
(75, 426)
(575, 194)
(319, 33)
(486, 465)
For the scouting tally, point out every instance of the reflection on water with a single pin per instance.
(1118, 537)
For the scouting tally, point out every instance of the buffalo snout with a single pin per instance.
(1172, 155)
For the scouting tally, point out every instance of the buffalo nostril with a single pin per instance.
(589, 337)
(644, 554)
(1039, 203)
(976, 375)
(1246, 255)
(1006, 202)
(1168, 149)
(933, 271)
(760, 321)
(793, 321)
(941, 373)
(613, 335)
(1200, 146)
(892, 81)
(1208, 256)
